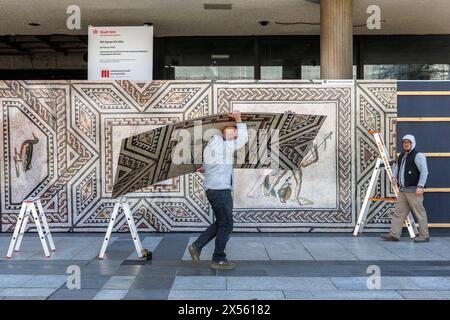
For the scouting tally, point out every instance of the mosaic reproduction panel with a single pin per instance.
(376, 109)
(294, 200)
(61, 141)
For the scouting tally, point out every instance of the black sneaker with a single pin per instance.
(388, 237)
(222, 265)
(195, 253)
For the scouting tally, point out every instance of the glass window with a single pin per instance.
(209, 58)
(406, 57)
(287, 57)
(214, 72)
(407, 71)
(313, 72)
(271, 72)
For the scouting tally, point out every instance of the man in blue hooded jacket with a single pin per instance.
(410, 175)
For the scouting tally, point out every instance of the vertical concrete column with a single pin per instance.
(336, 39)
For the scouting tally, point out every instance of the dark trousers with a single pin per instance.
(222, 205)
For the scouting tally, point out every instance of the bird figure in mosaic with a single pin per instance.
(25, 155)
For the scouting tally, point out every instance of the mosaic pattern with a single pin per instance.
(376, 109)
(78, 127)
(38, 109)
(339, 217)
(147, 158)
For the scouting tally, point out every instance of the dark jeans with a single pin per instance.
(222, 205)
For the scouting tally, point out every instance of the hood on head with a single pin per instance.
(411, 138)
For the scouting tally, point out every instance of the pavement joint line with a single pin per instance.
(334, 284)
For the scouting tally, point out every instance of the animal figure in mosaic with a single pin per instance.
(283, 193)
(25, 155)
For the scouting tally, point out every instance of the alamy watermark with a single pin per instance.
(374, 19)
(374, 280)
(262, 147)
(73, 21)
(74, 279)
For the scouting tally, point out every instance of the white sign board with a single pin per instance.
(124, 53)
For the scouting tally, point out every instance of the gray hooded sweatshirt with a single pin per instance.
(421, 163)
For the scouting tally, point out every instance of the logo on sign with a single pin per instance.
(95, 31)
(105, 73)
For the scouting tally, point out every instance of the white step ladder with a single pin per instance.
(29, 209)
(123, 203)
(382, 162)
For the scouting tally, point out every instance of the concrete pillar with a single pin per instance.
(336, 39)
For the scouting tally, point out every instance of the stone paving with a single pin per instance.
(270, 266)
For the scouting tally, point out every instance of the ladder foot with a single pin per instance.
(6, 257)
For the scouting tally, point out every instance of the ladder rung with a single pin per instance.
(384, 199)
